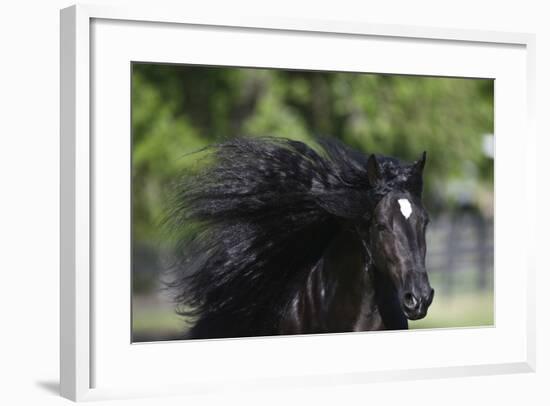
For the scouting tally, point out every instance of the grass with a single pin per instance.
(463, 310)
(157, 321)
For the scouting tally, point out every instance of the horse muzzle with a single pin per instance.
(415, 305)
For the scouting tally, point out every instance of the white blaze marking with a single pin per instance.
(405, 206)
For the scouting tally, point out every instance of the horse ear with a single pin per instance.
(418, 166)
(373, 171)
(415, 183)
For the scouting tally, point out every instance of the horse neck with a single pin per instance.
(342, 293)
(362, 290)
(328, 297)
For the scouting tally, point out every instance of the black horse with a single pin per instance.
(275, 237)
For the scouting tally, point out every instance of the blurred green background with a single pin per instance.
(178, 109)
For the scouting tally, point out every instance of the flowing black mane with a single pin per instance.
(259, 216)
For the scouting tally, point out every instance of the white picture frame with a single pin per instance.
(85, 352)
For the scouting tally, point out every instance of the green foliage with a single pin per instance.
(178, 109)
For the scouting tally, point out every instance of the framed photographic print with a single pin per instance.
(240, 197)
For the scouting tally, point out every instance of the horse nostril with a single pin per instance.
(410, 301)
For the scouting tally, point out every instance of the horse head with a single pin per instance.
(396, 233)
